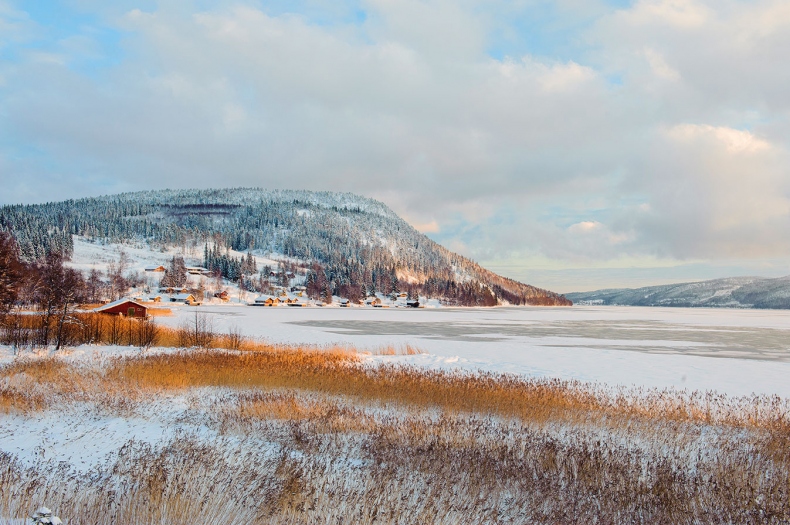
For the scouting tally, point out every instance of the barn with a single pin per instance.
(125, 307)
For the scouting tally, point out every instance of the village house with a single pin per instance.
(169, 290)
(186, 298)
(290, 298)
(126, 307)
(158, 269)
(223, 295)
(266, 300)
(299, 301)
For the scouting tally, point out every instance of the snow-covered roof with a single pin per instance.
(183, 296)
(118, 303)
(264, 298)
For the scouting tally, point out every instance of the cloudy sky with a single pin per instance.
(574, 144)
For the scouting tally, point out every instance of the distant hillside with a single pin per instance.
(737, 292)
(353, 244)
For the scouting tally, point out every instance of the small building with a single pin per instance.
(223, 295)
(158, 269)
(124, 306)
(372, 301)
(299, 301)
(290, 298)
(266, 300)
(186, 298)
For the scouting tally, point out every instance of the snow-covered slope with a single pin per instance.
(737, 292)
(359, 243)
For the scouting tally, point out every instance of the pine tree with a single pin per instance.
(175, 274)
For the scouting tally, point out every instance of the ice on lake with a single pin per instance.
(735, 351)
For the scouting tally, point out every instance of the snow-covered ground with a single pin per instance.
(90, 254)
(738, 352)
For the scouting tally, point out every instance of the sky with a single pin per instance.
(573, 144)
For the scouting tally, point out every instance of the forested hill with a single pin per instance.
(357, 245)
(734, 292)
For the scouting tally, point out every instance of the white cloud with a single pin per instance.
(562, 77)
(716, 192)
(659, 65)
(684, 14)
(584, 227)
(733, 140)
(639, 141)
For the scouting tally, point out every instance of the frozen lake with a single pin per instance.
(739, 352)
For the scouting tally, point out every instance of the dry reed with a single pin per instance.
(306, 435)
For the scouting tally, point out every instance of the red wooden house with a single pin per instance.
(125, 307)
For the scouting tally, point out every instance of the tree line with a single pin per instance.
(359, 244)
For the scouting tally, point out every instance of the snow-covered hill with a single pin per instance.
(354, 245)
(736, 292)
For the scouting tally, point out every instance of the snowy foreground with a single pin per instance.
(104, 448)
(737, 352)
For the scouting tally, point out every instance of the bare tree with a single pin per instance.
(57, 292)
(11, 272)
(198, 333)
(72, 292)
(147, 333)
(93, 286)
(234, 338)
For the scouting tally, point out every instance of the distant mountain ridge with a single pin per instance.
(734, 292)
(356, 244)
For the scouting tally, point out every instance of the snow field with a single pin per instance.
(223, 454)
(736, 352)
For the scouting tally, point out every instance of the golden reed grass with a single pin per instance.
(394, 444)
(429, 450)
(338, 372)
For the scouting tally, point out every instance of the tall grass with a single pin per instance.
(301, 435)
(24, 330)
(333, 372)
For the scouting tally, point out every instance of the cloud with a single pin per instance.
(659, 65)
(715, 192)
(685, 14)
(659, 131)
(584, 227)
(733, 140)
